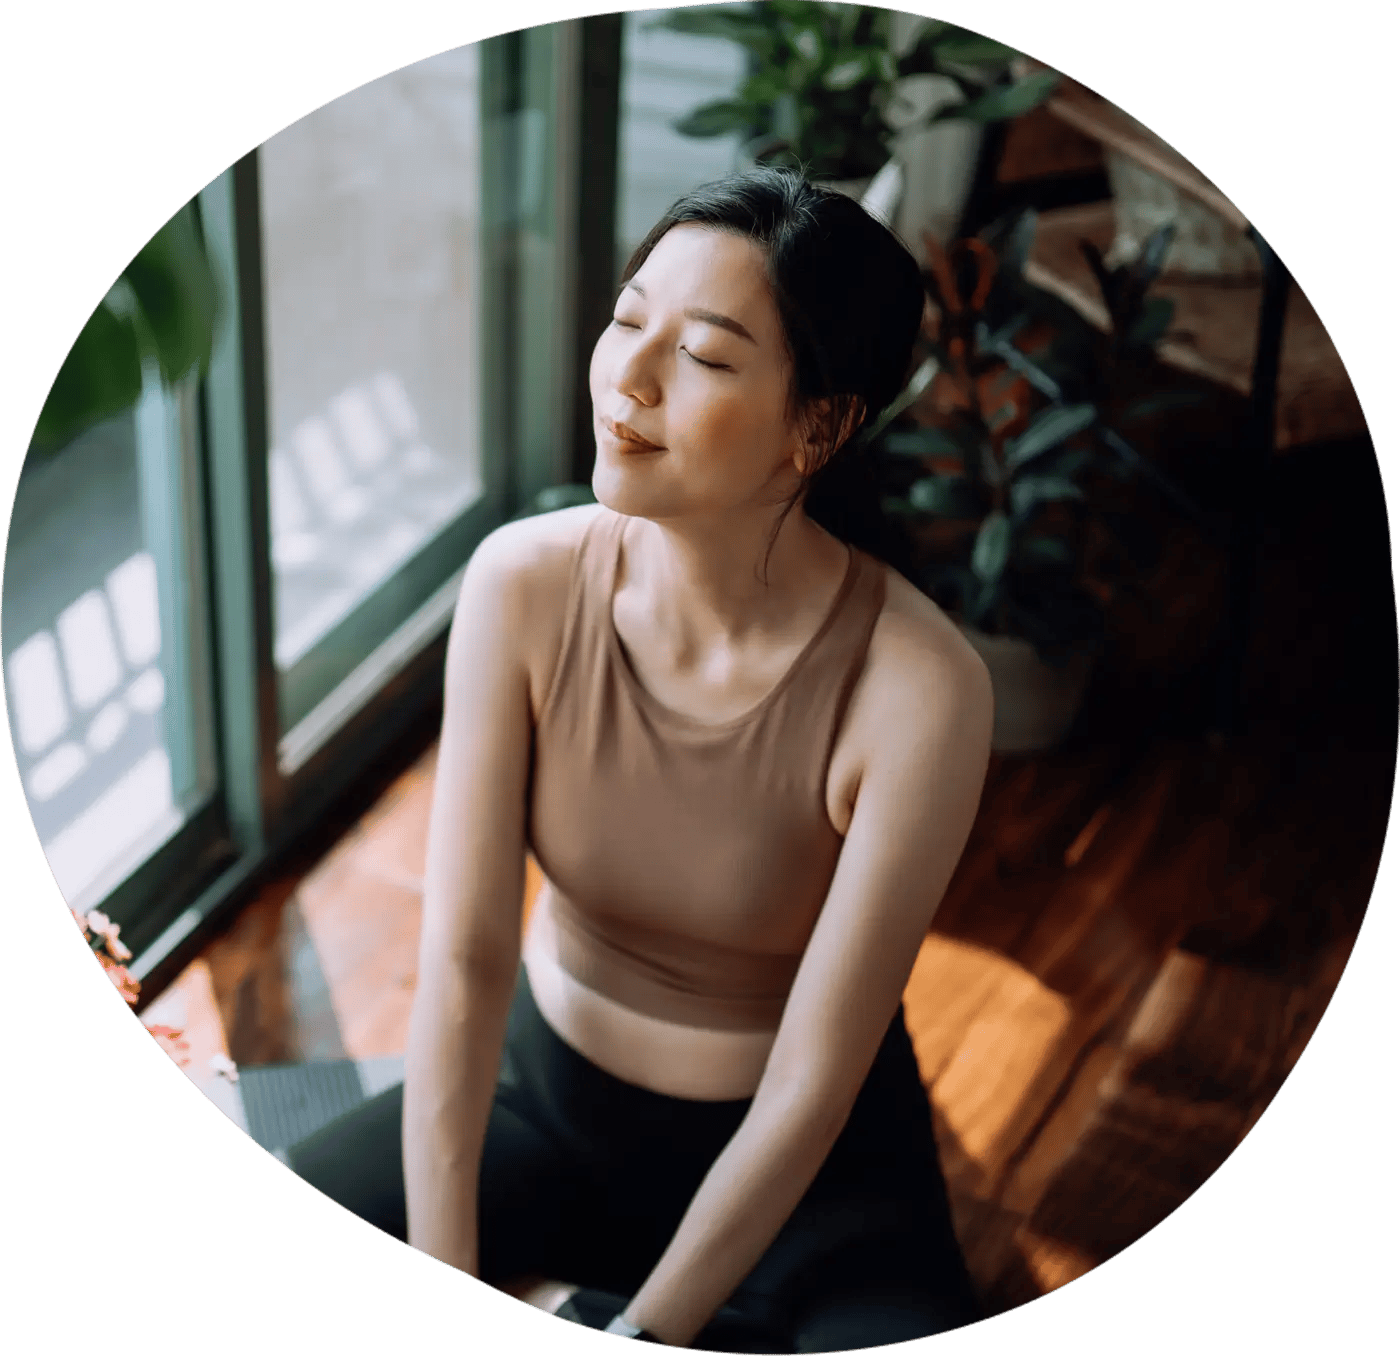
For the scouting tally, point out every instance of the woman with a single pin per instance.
(747, 758)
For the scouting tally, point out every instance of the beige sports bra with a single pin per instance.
(686, 863)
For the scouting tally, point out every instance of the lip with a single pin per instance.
(623, 434)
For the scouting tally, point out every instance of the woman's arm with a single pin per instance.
(926, 743)
(469, 947)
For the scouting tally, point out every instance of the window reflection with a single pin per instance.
(370, 242)
(87, 656)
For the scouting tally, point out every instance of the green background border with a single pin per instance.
(135, 1213)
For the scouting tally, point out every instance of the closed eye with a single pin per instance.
(718, 367)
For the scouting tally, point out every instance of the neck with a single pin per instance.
(716, 579)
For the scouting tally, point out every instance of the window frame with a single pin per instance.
(274, 789)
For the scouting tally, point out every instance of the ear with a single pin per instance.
(816, 430)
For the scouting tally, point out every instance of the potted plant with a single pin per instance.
(824, 83)
(1007, 483)
(160, 316)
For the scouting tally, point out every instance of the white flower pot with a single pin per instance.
(1035, 703)
(939, 161)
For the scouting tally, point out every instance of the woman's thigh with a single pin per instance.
(859, 1272)
(535, 1205)
(357, 1160)
(531, 1203)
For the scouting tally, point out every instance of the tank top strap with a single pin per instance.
(583, 649)
(810, 710)
(854, 623)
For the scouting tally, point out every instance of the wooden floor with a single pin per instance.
(1141, 937)
(1088, 1068)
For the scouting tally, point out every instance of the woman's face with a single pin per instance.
(690, 384)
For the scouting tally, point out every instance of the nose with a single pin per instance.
(634, 372)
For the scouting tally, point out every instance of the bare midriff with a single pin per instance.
(698, 1063)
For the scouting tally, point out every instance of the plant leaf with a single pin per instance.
(100, 377)
(1030, 491)
(921, 56)
(1153, 322)
(846, 74)
(178, 295)
(1154, 253)
(718, 21)
(1019, 240)
(1134, 462)
(972, 49)
(1108, 289)
(1005, 101)
(923, 442)
(1019, 363)
(1048, 429)
(916, 386)
(1035, 551)
(992, 548)
(1161, 402)
(715, 119)
(1069, 463)
(808, 42)
(945, 497)
(981, 599)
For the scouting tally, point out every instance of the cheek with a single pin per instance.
(746, 420)
(739, 442)
(597, 365)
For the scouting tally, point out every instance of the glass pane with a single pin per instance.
(104, 646)
(666, 75)
(370, 257)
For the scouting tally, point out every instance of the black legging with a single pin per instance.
(584, 1179)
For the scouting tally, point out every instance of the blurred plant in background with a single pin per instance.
(161, 315)
(1007, 482)
(824, 77)
(104, 937)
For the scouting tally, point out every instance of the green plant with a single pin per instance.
(824, 78)
(1011, 482)
(160, 315)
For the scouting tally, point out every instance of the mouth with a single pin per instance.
(630, 437)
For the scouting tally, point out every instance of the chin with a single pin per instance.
(625, 484)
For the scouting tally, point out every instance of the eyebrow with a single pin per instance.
(723, 322)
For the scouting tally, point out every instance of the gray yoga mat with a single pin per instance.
(280, 1104)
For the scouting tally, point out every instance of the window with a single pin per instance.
(223, 605)
(666, 75)
(370, 257)
(106, 647)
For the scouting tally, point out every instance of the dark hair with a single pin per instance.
(850, 298)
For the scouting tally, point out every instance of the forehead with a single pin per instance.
(694, 265)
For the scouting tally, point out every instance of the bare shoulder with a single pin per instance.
(534, 555)
(922, 678)
(516, 585)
